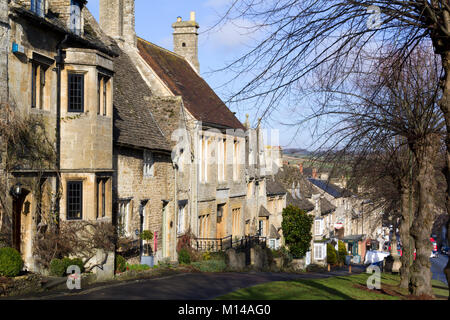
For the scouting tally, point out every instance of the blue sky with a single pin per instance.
(153, 23)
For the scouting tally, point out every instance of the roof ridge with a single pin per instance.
(167, 50)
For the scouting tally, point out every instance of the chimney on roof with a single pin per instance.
(117, 19)
(314, 173)
(185, 40)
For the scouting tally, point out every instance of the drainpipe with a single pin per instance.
(59, 67)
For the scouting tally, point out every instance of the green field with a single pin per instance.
(336, 288)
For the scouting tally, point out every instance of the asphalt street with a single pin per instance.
(191, 286)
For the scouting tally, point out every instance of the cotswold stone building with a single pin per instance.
(58, 73)
(206, 139)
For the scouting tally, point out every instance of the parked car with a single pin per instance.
(434, 252)
(445, 250)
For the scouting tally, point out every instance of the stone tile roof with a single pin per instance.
(178, 75)
(90, 39)
(133, 122)
(302, 204)
(263, 212)
(274, 188)
(291, 175)
(326, 206)
(274, 234)
(330, 188)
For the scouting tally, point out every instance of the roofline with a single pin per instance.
(56, 28)
(127, 145)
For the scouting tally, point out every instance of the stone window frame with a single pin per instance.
(123, 216)
(102, 94)
(319, 248)
(38, 7)
(103, 195)
(78, 198)
(148, 164)
(72, 75)
(318, 224)
(38, 83)
(76, 8)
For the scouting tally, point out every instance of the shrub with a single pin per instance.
(210, 266)
(121, 264)
(57, 268)
(331, 254)
(11, 262)
(342, 252)
(206, 256)
(296, 227)
(184, 257)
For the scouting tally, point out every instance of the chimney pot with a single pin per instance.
(192, 15)
(179, 19)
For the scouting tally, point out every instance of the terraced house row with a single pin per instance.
(130, 134)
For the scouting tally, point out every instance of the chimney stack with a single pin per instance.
(117, 20)
(185, 40)
(314, 173)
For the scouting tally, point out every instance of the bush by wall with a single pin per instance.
(184, 257)
(342, 252)
(121, 264)
(11, 262)
(331, 254)
(210, 265)
(58, 267)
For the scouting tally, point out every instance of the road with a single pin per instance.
(191, 286)
(437, 267)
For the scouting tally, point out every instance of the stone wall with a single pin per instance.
(4, 48)
(130, 183)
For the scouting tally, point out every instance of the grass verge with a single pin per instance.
(335, 288)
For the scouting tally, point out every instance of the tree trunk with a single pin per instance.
(445, 107)
(408, 247)
(425, 151)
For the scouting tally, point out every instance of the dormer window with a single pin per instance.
(75, 17)
(38, 7)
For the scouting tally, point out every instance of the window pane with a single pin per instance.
(74, 200)
(76, 93)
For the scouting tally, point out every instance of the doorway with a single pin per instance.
(18, 206)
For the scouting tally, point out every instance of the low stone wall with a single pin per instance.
(20, 285)
(235, 260)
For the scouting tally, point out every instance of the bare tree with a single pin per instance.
(302, 36)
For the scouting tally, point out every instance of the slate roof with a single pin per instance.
(134, 124)
(331, 188)
(274, 188)
(274, 234)
(263, 212)
(302, 204)
(326, 206)
(178, 75)
(90, 39)
(290, 175)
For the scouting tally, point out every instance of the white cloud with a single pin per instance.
(232, 34)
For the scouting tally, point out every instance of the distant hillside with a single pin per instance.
(296, 152)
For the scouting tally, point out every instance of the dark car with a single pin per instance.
(445, 250)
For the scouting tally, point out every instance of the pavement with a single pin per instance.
(187, 286)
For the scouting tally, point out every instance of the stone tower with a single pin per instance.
(117, 20)
(185, 40)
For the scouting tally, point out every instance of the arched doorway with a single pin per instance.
(20, 206)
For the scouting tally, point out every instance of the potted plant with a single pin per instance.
(146, 258)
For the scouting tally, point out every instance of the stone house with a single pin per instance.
(60, 73)
(207, 140)
(144, 177)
